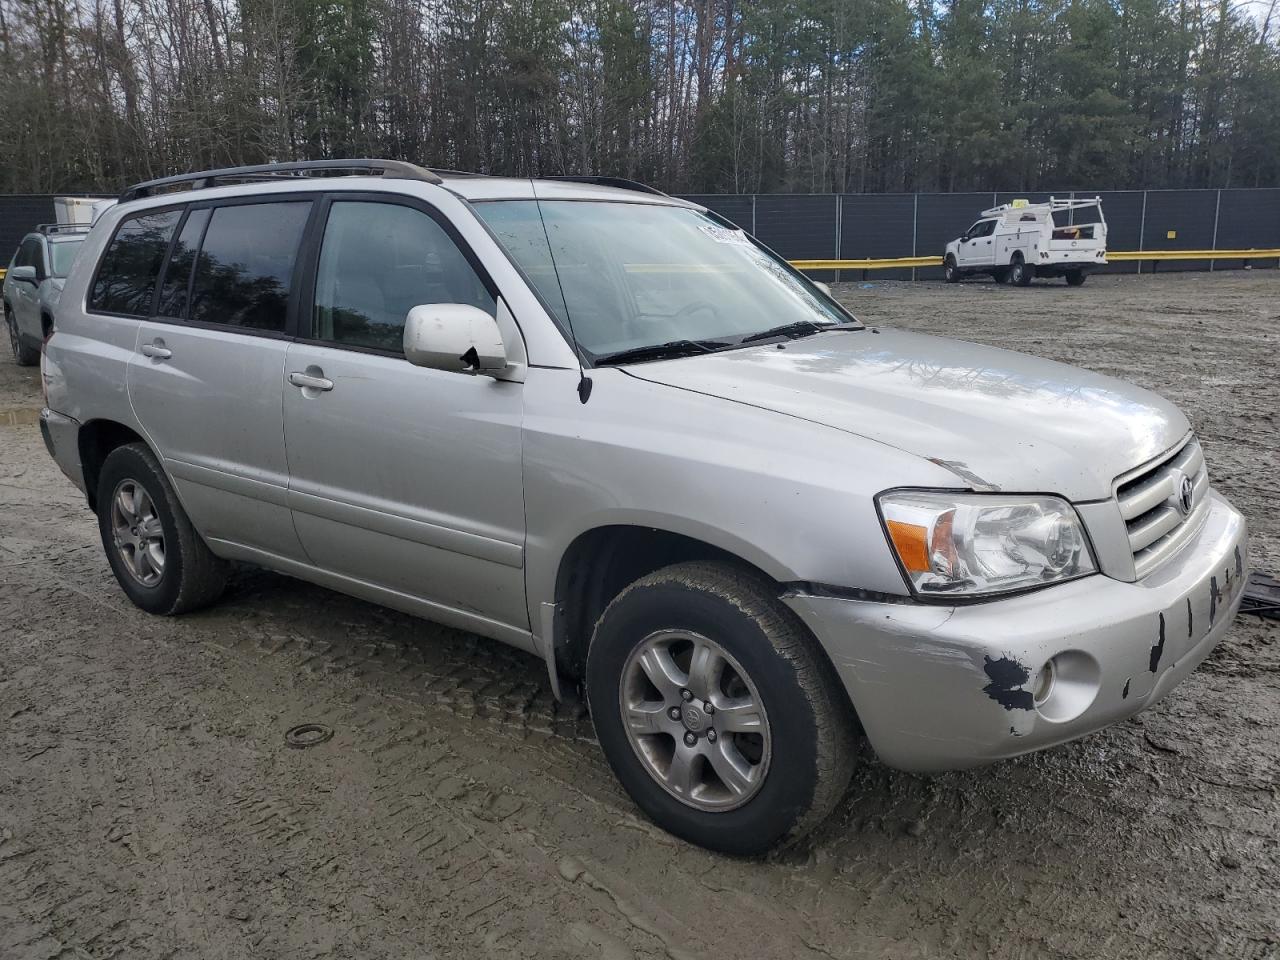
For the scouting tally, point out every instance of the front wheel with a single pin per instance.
(157, 556)
(1076, 278)
(950, 271)
(23, 355)
(716, 709)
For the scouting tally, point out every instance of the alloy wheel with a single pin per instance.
(695, 720)
(138, 532)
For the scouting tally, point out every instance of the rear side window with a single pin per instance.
(246, 263)
(127, 274)
(177, 276)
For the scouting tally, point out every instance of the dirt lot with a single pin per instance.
(150, 808)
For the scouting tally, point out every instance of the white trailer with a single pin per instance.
(1019, 241)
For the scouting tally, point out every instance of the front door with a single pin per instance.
(401, 477)
(207, 377)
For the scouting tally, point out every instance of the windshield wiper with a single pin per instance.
(798, 329)
(660, 351)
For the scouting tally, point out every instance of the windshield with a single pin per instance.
(61, 255)
(630, 275)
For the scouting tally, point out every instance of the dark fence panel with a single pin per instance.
(1122, 210)
(799, 227)
(941, 218)
(1247, 218)
(884, 226)
(877, 227)
(738, 208)
(18, 215)
(1188, 215)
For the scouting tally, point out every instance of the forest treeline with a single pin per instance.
(690, 95)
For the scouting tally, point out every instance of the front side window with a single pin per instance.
(62, 254)
(127, 275)
(633, 275)
(379, 260)
(245, 267)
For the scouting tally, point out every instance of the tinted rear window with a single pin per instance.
(126, 280)
(246, 262)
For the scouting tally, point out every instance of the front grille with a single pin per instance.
(1150, 504)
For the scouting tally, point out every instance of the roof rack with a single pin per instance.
(49, 229)
(204, 179)
(619, 182)
(1053, 203)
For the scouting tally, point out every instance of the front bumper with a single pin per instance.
(62, 439)
(941, 688)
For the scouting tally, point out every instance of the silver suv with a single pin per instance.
(608, 427)
(33, 284)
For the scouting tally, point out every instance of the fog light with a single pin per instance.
(1044, 684)
(1066, 686)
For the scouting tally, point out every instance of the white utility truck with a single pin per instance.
(1019, 241)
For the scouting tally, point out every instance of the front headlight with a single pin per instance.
(964, 545)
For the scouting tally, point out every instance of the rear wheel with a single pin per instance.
(949, 269)
(716, 709)
(1076, 278)
(24, 356)
(158, 558)
(1020, 272)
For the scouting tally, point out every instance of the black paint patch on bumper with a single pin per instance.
(1007, 676)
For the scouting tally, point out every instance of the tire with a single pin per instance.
(188, 576)
(1020, 272)
(23, 355)
(790, 773)
(1076, 278)
(949, 269)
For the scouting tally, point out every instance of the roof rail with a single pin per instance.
(204, 179)
(48, 229)
(620, 182)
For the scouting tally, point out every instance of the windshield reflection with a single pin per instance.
(636, 275)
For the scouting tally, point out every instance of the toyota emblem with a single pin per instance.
(1186, 491)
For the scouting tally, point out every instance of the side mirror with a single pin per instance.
(453, 336)
(27, 274)
(825, 288)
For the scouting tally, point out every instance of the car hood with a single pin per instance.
(997, 419)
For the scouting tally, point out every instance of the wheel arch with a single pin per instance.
(95, 440)
(600, 562)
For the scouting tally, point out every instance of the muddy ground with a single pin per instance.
(150, 808)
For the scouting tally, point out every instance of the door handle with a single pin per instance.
(156, 350)
(309, 381)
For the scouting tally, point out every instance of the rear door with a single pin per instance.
(402, 477)
(207, 378)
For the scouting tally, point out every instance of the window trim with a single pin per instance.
(168, 262)
(305, 314)
(97, 267)
(313, 197)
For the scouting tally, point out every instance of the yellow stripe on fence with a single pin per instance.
(1112, 255)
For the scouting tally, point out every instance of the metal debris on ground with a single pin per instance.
(308, 735)
(1261, 596)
